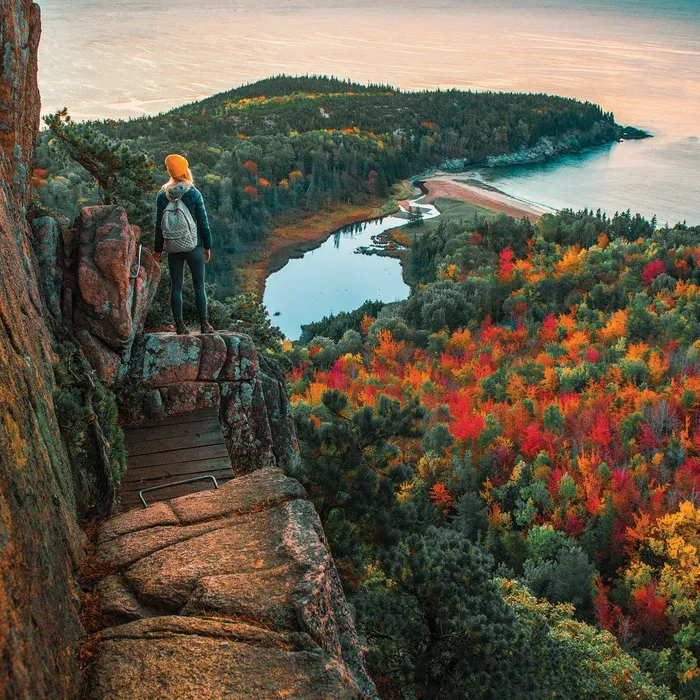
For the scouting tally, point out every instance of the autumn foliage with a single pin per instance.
(581, 414)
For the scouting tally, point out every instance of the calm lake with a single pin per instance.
(334, 278)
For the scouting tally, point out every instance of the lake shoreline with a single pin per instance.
(291, 241)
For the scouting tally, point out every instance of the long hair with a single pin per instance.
(187, 177)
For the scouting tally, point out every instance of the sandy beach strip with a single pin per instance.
(449, 186)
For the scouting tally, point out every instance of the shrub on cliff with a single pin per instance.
(87, 416)
(349, 465)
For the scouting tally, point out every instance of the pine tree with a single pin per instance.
(347, 465)
(122, 174)
(415, 217)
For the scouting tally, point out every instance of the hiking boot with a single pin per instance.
(180, 327)
(205, 326)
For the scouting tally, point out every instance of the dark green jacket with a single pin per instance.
(194, 201)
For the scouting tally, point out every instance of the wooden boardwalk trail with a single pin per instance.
(173, 449)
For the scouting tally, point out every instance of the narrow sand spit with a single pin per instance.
(450, 186)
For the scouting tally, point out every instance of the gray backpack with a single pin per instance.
(179, 228)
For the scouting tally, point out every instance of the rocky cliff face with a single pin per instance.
(40, 543)
(228, 593)
(112, 282)
(20, 30)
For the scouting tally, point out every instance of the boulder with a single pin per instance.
(107, 363)
(169, 359)
(213, 358)
(176, 399)
(241, 358)
(245, 425)
(226, 593)
(191, 658)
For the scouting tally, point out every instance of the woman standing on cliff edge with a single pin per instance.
(180, 189)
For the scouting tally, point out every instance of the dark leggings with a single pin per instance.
(176, 263)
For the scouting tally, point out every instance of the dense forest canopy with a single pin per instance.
(531, 413)
(286, 146)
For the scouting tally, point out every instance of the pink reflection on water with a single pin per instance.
(125, 58)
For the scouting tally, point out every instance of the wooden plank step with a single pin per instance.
(136, 476)
(177, 456)
(135, 436)
(190, 417)
(176, 443)
(174, 449)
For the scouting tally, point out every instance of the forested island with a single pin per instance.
(507, 463)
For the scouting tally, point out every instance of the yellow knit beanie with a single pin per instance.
(178, 167)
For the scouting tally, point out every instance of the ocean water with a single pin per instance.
(639, 58)
(655, 177)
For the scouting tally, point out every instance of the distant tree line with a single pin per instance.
(286, 146)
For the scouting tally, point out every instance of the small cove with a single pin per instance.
(653, 177)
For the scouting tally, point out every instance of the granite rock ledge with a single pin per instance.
(224, 594)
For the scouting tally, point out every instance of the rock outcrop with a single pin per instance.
(223, 594)
(182, 373)
(40, 542)
(109, 289)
